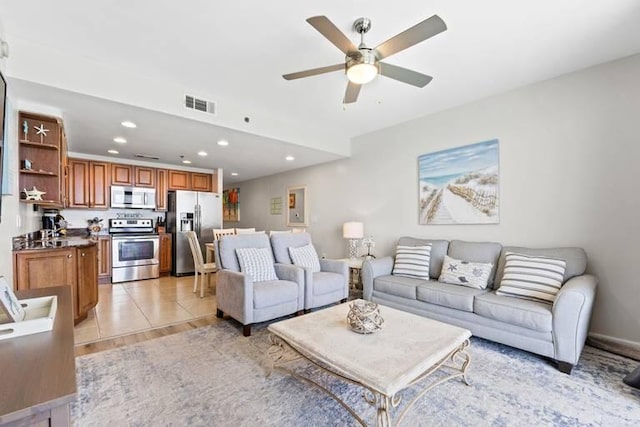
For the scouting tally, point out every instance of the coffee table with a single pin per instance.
(407, 350)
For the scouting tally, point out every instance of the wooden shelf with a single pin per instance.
(40, 202)
(39, 145)
(32, 172)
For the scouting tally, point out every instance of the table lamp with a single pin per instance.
(354, 232)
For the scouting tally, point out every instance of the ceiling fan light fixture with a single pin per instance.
(363, 68)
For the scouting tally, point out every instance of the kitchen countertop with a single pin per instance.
(23, 243)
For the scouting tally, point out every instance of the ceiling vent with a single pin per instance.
(200, 104)
(146, 156)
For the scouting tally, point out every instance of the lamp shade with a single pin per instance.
(352, 230)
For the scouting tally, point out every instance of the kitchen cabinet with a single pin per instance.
(179, 180)
(121, 174)
(162, 187)
(43, 268)
(104, 259)
(165, 254)
(144, 176)
(41, 154)
(201, 182)
(87, 280)
(88, 184)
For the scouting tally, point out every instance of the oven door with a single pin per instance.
(128, 251)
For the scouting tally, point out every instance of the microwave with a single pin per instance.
(133, 197)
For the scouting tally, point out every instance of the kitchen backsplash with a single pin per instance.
(78, 218)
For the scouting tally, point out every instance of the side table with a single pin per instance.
(355, 280)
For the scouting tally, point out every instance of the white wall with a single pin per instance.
(569, 155)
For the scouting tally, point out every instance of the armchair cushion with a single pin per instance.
(325, 282)
(305, 256)
(274, 292)
(256, 263)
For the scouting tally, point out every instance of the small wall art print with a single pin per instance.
(460, 185)
(231, 205)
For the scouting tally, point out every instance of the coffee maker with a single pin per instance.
(52, 220)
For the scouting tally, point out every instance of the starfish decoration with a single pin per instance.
(452, 267)
(34, 194)
(41, 131)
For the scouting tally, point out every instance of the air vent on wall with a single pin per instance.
(146, 156)
(199, 104)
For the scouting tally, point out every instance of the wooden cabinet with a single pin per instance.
(104, 259)
(144, 176)
(41, 157)
(179, 180)
(201, 181)
(165, 254)
(162, 187)
(88, 184)
(65, 266)
(87, 282)
(121, 175)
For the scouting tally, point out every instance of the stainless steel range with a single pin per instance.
(135, 249)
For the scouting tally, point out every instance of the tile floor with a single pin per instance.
(130, 307)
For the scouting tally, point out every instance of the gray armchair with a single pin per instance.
(329, 285)
(251, 302)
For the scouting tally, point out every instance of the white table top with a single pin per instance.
(387, 360)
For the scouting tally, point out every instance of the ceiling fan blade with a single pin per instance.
(332, 33)
(351, 94)
(414, 35)
(313, 72)
(404, 75)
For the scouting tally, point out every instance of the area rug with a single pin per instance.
(213, 376)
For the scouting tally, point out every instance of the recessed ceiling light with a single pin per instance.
(202, 153)
(129, 124)
(113, 152)
(234, 173)
(188, 162)
(223, 143)
(289, 158)
(119, 140)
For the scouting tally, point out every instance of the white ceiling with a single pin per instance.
(237, 51)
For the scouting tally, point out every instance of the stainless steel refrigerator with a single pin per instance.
(191, 211)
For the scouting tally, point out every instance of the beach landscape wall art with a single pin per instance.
(460, 185)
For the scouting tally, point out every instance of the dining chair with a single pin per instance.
(202, 269)
(245, 230)
(219, 232)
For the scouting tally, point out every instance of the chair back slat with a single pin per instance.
(219, 232)
(198, 260)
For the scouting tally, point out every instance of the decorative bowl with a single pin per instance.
(364, 317)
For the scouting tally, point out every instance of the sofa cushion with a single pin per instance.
(452, 296)
(412, 261)
(325, 282)
(528, 314)
(529, 277)
(274, 292)
(257, 263)
(576, 259)
(485, 252)
(305, 256)
(465, 273)
(404, 287)
(438, 251)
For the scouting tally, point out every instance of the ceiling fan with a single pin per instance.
(363, 63)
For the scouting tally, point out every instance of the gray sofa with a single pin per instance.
(557, 330)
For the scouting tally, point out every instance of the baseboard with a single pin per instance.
(619, 346)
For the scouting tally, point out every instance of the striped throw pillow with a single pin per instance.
(257, 263)
(305, 256)
(412, 261)
(532, 277)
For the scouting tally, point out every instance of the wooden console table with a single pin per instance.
(38, 372)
